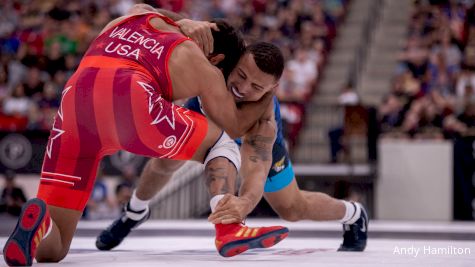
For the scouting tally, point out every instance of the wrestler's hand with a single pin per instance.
(200, 32)
(230, 209)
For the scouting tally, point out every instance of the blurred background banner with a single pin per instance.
(23, 152)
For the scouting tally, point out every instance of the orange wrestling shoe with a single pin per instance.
(33, 224)
(234, 239)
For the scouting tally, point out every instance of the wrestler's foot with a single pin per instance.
(356, 234)
(33, 225)
(234, 239)
(120, 228)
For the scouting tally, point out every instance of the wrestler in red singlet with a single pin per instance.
(118, 99)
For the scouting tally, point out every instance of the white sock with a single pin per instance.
(137, 204)
(214, 201)
(352, 213)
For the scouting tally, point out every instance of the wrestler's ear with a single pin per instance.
(215, 59)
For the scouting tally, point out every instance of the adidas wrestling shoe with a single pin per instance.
(234, 239)
(33, 224)
(356, 234)
(120, 228)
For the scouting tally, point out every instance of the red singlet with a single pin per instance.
(118, 99)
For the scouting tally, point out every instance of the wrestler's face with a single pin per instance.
(247, 82)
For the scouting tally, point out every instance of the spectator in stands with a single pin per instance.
(288, 90)
(391, 113)
(55, 61)
(415, 57)
(13, 197)
(426, 103)
(120, 7)
(431, 118)
(50, 97)
(17, 104)
(317, 52)
(449, 51)
(71, 64)
(439, 77)
(464, 89)
(4, 91)
(463, 124)
(8, 24)
(322, 25)
(299, 78)
(303, 74)
(47, 107)
(216, 10)
(33, 86)
(16, 71)
(347, 97)
(468, 115)
(35, 118)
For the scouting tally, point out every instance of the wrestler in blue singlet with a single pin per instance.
(281, 173)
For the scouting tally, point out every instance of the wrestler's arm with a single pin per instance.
(198, 31)
(256, 155)
(193, 75)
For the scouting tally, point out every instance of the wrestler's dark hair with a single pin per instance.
(268, 58)
(228, 41)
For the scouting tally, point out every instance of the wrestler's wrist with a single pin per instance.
(247, 203)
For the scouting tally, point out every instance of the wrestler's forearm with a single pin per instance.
(256, 155)
(252, 185)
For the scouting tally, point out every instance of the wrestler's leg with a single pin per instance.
(56, 246)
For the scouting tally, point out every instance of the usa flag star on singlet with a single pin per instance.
(60, 110)
(151, 103)
(55, 131)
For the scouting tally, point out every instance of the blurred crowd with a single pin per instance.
(42, 41)
(107, 200)
(433, 94)
(12, 196)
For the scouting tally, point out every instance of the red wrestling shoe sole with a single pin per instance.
(21, 246)
(264, 241)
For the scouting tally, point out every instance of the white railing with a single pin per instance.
(185, 196)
